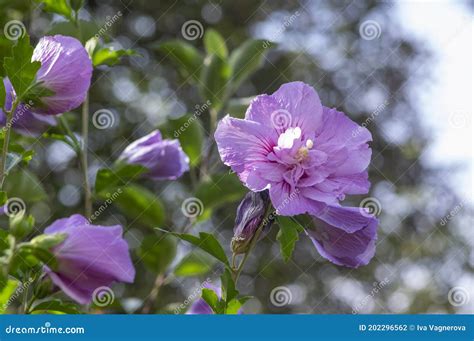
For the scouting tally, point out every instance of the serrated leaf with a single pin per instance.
(215, 43)
(190, 133)
(19, 68)
(246, 59)
(194, 264)
(288, 235)
(157, 252)
(60, 7)
(185, 56)
(214, 81)
(206, 242)
(109, 56)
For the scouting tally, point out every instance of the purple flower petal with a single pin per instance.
(345, 236)
(165, 159)
(91, 256)
(66, 69)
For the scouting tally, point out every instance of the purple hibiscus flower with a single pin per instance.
(308, 157)
(164, 158)
(66, 69)
(90, 257)
(24, 121)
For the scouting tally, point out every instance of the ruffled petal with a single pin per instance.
(351, 247)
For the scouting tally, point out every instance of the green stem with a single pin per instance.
(83, 156)
(6, 141)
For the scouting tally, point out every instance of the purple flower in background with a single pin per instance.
(24, 121)
(165, 159)
(90, 257)
(66, 69)
(308, 157)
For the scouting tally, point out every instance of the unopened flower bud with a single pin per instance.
(250, 216)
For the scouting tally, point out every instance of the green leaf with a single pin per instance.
(41, 254)
(109, 56)
(287, 236)
(194, 264)
(214, 80)
(229, 292)
(185, 56)
(190, 133)
(77, 4)
(141, 205)
(246, 59)
(219, 190)
(107, 180)
(55, 307)
(210, 297)
(206, 242)
(8, 290)
(3, 198)
(157, 252)
(19, 68)
(60, 7)
(88, 29)
(91, 46)
(25, 185)
(215, 44)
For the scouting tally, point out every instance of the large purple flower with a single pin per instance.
(66, 69)
(24, 121)
(164, 159)
(308, 157)
(90, 257)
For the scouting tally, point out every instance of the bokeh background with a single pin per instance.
(404, 69)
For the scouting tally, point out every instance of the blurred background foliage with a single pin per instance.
(419, 255)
